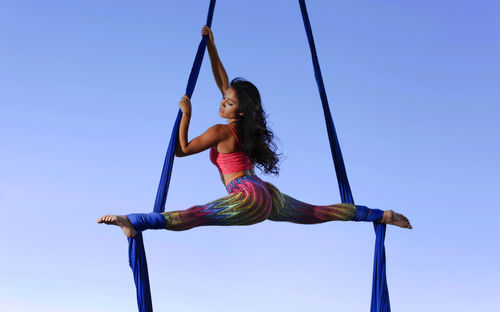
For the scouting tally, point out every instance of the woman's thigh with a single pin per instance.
(289, 209)
(249, 204)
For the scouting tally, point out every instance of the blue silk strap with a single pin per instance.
(380, 292)
(364, 213)
(147, 221)
(137, 254)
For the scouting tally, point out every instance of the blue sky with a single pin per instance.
(89, 91)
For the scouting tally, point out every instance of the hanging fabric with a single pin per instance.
(136, 252)
(380, 292)
(137, 255)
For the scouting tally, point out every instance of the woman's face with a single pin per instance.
(229, 105)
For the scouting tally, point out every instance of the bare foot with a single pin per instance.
(394, 218)
(121, 221)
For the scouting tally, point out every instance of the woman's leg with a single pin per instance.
(248, 203)
(287, 208)
(236, 209)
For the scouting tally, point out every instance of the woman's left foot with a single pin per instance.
(397, 219)
(122, 221)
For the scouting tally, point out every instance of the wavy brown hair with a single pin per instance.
(257, 140)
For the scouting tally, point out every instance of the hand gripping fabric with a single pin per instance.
(137, 255)
(380, 292)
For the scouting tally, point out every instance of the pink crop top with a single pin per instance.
(230, 162)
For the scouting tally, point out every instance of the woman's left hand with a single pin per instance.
(185, 105)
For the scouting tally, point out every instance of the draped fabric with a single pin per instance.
(137, 255)
(136, 252)
(380, 292)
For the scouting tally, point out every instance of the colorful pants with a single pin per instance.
(251, 201)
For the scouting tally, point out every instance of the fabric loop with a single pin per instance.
(147, 221)
(363, 213)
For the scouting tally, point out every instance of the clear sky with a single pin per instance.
(89, 91)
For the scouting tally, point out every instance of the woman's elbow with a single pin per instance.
(183, 153)
(180, 154)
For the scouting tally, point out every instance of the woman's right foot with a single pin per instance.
(397, 219)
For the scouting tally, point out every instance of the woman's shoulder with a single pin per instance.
(222, 128)
(221, 131)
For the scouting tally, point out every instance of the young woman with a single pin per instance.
(235, 147)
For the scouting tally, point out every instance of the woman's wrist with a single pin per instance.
(211, 47)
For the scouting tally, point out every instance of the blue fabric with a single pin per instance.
(137, 254)
(380, 292)
(147, 221)
(363, 214)
(139, 265)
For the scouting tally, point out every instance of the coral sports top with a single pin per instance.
(230, 162)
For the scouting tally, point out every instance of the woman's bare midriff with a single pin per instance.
(228, 177)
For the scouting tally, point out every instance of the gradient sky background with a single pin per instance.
(89, 91)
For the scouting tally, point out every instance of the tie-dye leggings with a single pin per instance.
(251, 201)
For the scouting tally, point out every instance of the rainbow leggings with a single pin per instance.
(251, 201)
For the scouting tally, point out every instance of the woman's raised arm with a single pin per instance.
(218, 70)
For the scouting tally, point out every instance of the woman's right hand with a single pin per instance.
(185, 105)
(207, 31)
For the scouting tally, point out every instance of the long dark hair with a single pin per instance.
(257, 139)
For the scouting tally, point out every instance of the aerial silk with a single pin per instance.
(137, 255)
(380, 292)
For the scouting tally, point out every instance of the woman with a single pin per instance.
(235, 147)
